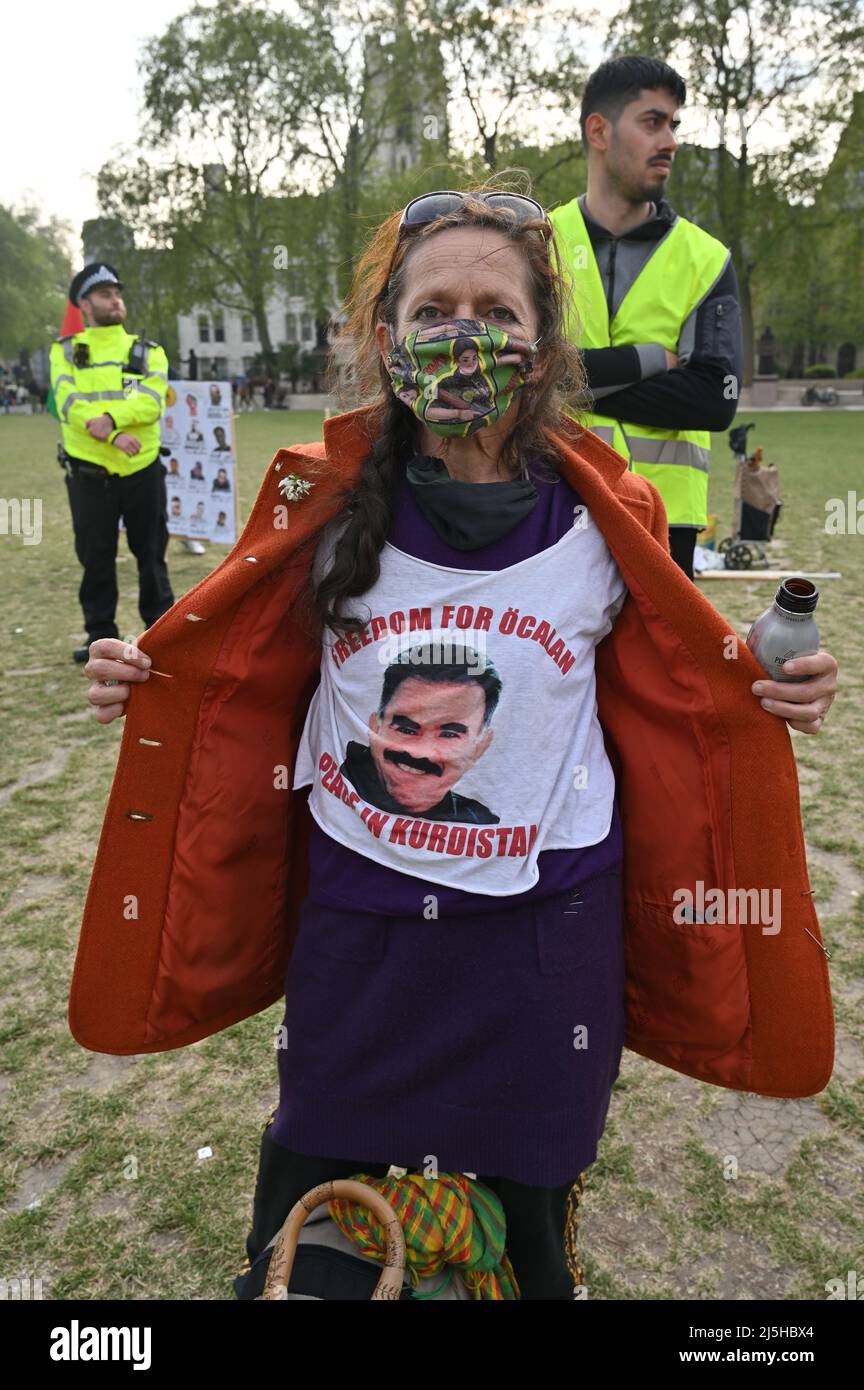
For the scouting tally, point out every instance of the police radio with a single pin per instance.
(137, 360)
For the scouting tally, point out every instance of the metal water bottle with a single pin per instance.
(786, 629)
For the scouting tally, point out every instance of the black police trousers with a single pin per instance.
(542, 1222)
(98, 500)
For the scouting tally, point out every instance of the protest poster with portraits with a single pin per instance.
(201, 465)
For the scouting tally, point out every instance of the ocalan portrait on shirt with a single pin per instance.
(431, 728)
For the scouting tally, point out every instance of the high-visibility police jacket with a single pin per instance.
(677, 276)
(132, 393)
(202, 865)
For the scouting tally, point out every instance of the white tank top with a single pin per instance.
(457, 736)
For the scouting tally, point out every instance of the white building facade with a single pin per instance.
(226, 341)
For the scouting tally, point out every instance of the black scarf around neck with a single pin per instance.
(467, 515)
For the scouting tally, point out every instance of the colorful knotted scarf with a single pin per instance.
(447, 1221)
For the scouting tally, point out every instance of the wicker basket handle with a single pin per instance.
(389, 1286)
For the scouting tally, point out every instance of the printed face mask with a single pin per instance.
(461, 375)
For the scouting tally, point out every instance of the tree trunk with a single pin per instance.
(259, 313)
(747, 329)
(741, 218)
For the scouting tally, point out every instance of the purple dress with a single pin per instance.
(487, 1039)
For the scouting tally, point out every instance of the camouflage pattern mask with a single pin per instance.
(459, 376)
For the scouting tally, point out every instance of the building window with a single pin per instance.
(246, 328)
(203, 368)
(291, 328)
(203, 328)
(218, 326)
(306, 328)
(247, 365)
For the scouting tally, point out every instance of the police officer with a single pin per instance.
(110, 388)
(655, 297)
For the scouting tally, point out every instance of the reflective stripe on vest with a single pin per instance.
(606, 433)
(672, 450)
(148, 391)
(677, 276)
(94, 396)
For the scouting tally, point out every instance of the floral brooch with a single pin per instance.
(294, 487)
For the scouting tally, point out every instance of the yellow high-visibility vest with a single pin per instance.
(676, 277)
(135, 399)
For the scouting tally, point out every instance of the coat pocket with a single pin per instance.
(686, 983)
(580, 926)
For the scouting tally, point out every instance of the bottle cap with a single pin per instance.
(797, 596)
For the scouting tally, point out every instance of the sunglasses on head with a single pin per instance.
(429, 206)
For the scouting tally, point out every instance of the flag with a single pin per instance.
(73, 322)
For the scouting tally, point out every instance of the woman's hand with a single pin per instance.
(113, 660)
(803, 704)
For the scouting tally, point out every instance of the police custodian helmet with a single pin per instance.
(96, 273)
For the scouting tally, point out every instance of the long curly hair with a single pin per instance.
(394, 430)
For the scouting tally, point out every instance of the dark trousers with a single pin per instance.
(682, 543)
(541, 1221)
(98, 500)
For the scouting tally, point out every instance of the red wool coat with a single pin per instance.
(202, 863)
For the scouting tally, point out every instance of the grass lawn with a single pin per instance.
(101, 1190)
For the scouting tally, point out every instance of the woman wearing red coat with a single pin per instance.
(483, 753)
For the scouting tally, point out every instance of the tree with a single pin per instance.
(511, 66)
(152, 290)
(295, 111)
(236, 74)
(35, 271)
(814, 294)
(319, 122)
(379, 87)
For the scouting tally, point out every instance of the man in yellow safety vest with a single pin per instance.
(109, 389)
(654, 302)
